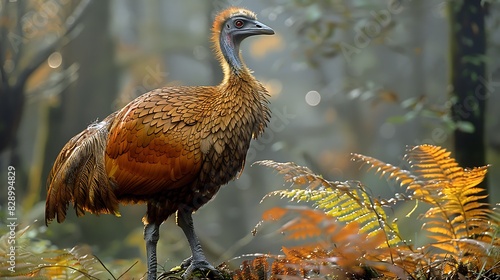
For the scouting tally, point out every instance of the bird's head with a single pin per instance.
(239, 23)
(233, 25)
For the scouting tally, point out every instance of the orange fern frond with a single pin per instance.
(255, 269)
(307, 222)
(296, 174)
(391, 172)
(330, 242)
(464, 231)
(432, 163)
(347, 201)
(456, 213)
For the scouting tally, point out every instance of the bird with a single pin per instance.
(171, 148)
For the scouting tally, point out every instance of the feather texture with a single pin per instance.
(172, 147)
(79, 175)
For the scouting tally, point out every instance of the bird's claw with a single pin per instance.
(199, 270)
(192, 270)
(186, 263)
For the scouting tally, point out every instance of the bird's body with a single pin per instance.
(171, 148)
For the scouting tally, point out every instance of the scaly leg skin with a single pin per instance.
(197, 261)
(151, 236)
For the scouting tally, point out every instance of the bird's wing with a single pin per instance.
(154, 141)
(79, 176)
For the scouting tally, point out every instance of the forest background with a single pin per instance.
(367, 77)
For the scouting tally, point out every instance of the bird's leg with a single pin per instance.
(151, 236)
(197, 261)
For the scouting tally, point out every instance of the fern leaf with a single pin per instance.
(463, 229)
(347, 201)
(295, 174)
(34, 259)
(307, 223)
(403, 177)
(436, 178)
(273, 214)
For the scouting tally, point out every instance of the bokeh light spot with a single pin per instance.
(313, 98)
(55, 60)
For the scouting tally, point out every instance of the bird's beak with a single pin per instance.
(258, 28)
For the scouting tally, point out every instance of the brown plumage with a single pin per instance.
(171, 148)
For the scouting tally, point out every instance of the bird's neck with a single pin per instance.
(238, 81)
(237, 89)
(231, 61)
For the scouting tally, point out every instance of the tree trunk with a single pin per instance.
(468, 81)
(91, 96)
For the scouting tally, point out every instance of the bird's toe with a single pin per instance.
(199, 270)
(187, 262)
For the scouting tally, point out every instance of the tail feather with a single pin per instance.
(79, 176)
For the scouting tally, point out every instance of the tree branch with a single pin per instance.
(21, 9)
(70, 25)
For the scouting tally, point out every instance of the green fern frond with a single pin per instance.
(464, 231)
(347, 201)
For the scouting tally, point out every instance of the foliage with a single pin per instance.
(350, 234)
(31, 70)
(323, 27)
(38, 259)
(423, 107)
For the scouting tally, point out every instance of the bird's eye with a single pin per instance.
(238, 23)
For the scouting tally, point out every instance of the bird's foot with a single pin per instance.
(199, 270)
(192, 270)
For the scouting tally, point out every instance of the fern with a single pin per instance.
(335, 249)
(37, 259)
(256, 269)
(308, 223)
(347, 201)
(333, 242)
(456, 214)
(464, 231)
